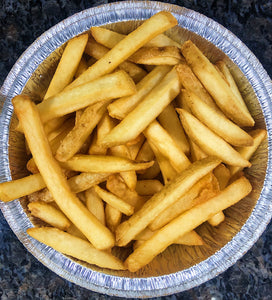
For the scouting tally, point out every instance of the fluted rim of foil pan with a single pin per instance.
(124, 286)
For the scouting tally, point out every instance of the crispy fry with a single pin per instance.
(146, 153)
(102, 163)
(120, 108)
(68, 65)
(145, 112)
(131, 43)
(95, 205)
(148, 187)
(75, 247)
(168, 195)
(49, 214)
(70, 205)
(114, 201)
(187, 222)
(216, 85)
(200, 134)
(217, 122)
(83, 66)
(108, 87)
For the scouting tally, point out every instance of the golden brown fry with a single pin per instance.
(146, 153)
(211, 143)
(145, 112)
(114, 201)
(169, 55)
(121, 107)
(171, 123)
(222, 174)
(117, 84)
(158, 136)
(217, 122)
(216, 85)
(148, 187)
(103, 163)
(49, 214)
(83, 66)
(187, 222)
(51, 172)
(15, 189)
(113, 217)
(75, 247)
(97, 51)
(168, 195)
(68, 65)
(74, 140)
(155, 25)
(95, 205)
(196, 152)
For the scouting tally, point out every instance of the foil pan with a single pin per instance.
(179, 267)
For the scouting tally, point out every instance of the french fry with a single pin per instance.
(110, 38)
(103, 163)
(155, 25)
(95, 205)
(200, 134)
(222, 174)
(148, 187)
(75, 247)
(28, 115)
(122, 106)
(98, 51)
(15, 189)
(145, 153)
(105, 88)
(196, 152)
(217, 122)
(114, 201)
(169, 55)
(83, 66)
(135, 148)
(68, 65)
(168, 195)
(216, 85)
(54, 124)
(187, 222)
(171, 123)
(216, 219)
(152, 172)
(116, 185)
(145, 112)
(258, 136)
(200, 192)
(113, 217)
(158, 136)
(74, 140)
(49, 214)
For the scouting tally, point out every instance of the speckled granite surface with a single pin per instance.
(21, 275)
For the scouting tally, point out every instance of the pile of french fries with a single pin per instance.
(138, 141)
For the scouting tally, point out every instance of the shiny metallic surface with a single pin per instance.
(178, 268)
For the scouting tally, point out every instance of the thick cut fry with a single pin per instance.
(75, 247)
(145, 112)
(113, 217)
(74, 140)
(196, 152)
(158, 136)
(121, 107)
(146, 153)
(203, 190)
(211, 143)
(54, 124)
(222, 174)
(148, 187)
(95, 205)
(108, 87)
(68, 65)
(83, 66)
(15, 189)
(98, 51)
(168, 195)
(191, 83)
(121, 190)
(114, 201)
(169, 55)
(131, 43)
(187, 222)
(28, 115)
(49, 214)
(217, 122)
(171, 123)
(110, 38)
(216, 85)
(152, 172)
(190, 238)
(258, 136)
(103, 163)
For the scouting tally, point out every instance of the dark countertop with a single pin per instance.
(21, 275)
